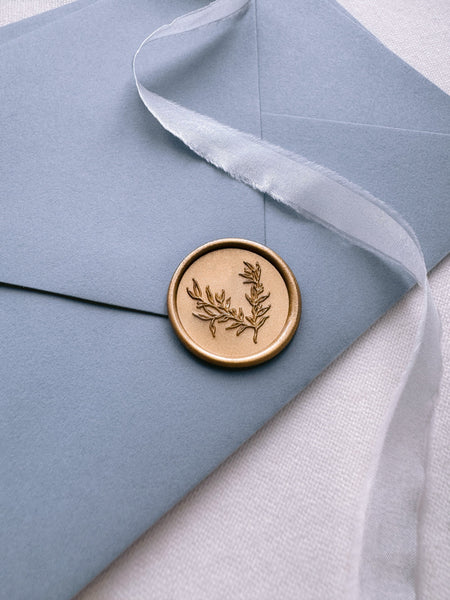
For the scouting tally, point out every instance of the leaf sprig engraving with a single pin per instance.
(256, 299)
(216, 308)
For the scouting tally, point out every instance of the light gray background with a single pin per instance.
(263, 525)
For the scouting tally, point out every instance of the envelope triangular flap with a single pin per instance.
(316, 65)
(107, 419)
(99, 202)
(408, 169)
(334, 94)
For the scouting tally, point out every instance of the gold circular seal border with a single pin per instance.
(292, 320)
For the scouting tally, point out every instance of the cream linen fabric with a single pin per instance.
(14, 10)
(265, 525)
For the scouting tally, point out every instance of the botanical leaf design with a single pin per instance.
(215, 309)
(197, 290)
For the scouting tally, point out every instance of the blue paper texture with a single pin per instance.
(113, 186)
(107, 420)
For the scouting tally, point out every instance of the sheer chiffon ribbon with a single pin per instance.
(386, 541)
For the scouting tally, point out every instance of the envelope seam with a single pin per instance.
(336, 121)
(73, 11)
(258, 77)
(98, 303)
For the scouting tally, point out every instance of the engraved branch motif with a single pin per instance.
(256, 299)
(216, 308)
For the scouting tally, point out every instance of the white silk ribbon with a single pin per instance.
(386, 541)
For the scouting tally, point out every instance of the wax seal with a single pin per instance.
(234, 303)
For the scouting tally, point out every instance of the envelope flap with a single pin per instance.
(99, 202)
(107, 419)
(341, 71)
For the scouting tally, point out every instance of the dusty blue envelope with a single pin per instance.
(106, 419)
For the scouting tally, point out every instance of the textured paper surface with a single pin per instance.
(109, 203)
(255, 528)
(243, 532)
(108, 367)
(274, 520)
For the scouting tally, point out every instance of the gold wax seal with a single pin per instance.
(234, 303)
